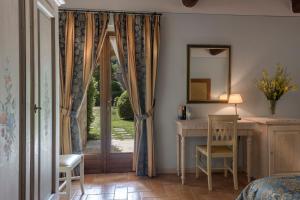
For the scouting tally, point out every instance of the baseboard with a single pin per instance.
(188, 170)
(174, 171)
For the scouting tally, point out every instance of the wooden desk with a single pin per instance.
(198, 128)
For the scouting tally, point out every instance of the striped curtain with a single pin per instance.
(66, 76)
(138, 44)
(81, 40)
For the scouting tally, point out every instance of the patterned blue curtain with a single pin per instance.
(78, 90)
(141, 154)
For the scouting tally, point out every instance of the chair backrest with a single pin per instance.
(222, 130)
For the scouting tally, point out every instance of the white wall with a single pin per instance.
(257, 42)
(236, 7)
(9, 100)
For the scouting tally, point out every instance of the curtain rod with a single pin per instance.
(108, 11)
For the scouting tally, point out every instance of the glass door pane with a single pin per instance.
(110, 136)
(93, 138)
(122, 120)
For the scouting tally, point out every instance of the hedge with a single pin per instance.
(124, 107)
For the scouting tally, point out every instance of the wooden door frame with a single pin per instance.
(114, 159)
(122, 162)
(98, 160)
(104, 99)
(22, 100)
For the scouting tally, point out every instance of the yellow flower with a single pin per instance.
(274, 87)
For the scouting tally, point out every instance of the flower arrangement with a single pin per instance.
(275, 86)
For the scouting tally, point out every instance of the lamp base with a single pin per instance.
(236, 112)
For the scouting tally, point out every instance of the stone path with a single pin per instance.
(123, 132)
(94, 146)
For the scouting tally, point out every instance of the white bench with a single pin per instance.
(66, 165)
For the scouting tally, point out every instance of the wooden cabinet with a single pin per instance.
(276, 147)
(284, 149)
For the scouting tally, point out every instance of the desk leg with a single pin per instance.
(182, 160)
(249, 164)
(178, 155)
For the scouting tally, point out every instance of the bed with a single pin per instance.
(272, 188)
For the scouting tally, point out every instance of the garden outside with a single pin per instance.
(122, 133)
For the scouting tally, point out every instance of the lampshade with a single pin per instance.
(235, 99)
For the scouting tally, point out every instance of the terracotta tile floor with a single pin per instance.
(162, 187)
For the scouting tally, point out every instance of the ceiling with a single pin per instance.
(233, 7)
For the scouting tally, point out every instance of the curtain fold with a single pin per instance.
(88, 31)
(87, 67)
(102, 34)
(89, 64)
(120, 34)
(138, 43)
(151, 56)
(88, 59)
(132, 86)
(66, 76)
(88, 48)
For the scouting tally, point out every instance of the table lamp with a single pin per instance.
(235, 99)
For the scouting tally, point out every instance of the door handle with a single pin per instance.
(36, 108)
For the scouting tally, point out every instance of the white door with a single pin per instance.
(44, 158)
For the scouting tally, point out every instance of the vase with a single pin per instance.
(273, 106)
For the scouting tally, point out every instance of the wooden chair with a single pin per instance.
(66, 165)
(221, 143)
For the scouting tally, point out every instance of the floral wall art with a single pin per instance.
(9, 99)
(9, 127)
(7, 116)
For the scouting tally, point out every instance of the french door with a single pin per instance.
(114, 150)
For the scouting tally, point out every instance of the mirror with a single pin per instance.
(208, 73)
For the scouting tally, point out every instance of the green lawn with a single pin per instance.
(121, 129)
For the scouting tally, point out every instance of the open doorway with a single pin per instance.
(109, 141)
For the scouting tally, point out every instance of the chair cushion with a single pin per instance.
(69, 160)
(216, 150)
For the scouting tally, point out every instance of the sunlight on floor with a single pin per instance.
(128, 186)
